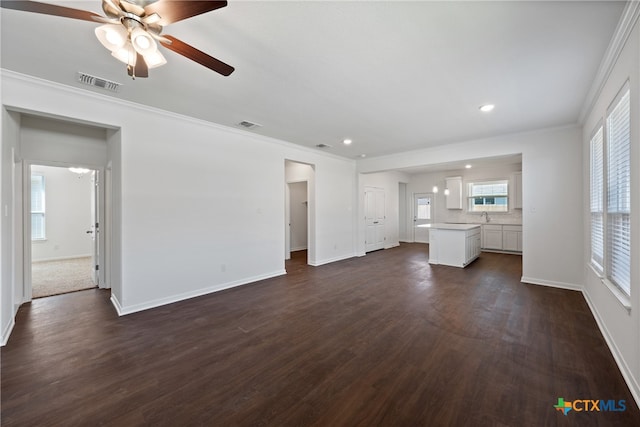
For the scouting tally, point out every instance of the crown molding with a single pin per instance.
(620, 36)
(9, 74)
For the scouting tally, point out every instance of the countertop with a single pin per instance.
(445, 226)
(487, 223)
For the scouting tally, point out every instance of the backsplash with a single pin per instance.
(513, 217)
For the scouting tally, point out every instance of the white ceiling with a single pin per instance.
(391, 75)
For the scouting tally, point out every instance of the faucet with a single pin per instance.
(485, 214)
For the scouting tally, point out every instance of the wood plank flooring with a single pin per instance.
(383, 340)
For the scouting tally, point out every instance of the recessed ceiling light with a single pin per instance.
(467, 166)
(363, 155)
(347, 141)
(487, 107)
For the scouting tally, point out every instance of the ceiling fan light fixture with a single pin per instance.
(112, 36)
(142, 41)
(126, 54)
(155, 59)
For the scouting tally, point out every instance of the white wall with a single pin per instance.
(193, 201)
(67, 215)
(552, 196)
(619, 326)
(9, 271)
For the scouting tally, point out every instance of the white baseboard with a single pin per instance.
(551, 283)
(330, 260)
(124, 310)
(116, 304)
(299, 248)
(6, 332)
(626, 372)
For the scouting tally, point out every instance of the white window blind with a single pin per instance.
(597, 200)
(618, 254)
(37, 208)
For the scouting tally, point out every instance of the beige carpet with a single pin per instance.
(59, 277)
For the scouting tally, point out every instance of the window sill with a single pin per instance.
(39, 240)
(622, 298)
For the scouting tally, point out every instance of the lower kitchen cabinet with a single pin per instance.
(512, 238)
(498, 237)
(492, 237)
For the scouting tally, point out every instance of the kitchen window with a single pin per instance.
(489, 196)
(37, 208)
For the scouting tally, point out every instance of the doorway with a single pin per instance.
(64, 208)
(298, 216)
(299, 210)
(374, 212)
(423, 213)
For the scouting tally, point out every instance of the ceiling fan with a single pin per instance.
(132, 29)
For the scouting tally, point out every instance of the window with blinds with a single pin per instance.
(489, 196)
(37, 208)
(618, 197)
(597, 200)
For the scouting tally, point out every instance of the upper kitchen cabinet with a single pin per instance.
(517, 190)
(454, 198)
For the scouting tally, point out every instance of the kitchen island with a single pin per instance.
(456, 245)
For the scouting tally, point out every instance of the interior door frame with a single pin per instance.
(27, 288)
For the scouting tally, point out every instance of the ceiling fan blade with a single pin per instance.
(141, 69)
(174, 10)
(51, 9)
(196, 55)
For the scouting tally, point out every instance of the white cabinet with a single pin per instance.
(492, 237)
(497, 237)
(454, 198)
(517, 190)
(472, 246)
(512, 238)
(454, 245)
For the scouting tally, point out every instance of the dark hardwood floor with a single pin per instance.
(383, 340)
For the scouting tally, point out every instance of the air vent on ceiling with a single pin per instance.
(249, 125)
(90, 80)
(323, 145)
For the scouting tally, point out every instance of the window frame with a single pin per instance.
(615, 191)
(40, 213)
(506, 196)
(613, 214)
(597, 178)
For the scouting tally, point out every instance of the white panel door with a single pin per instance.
(374, 208)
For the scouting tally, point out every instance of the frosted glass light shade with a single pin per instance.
(112, 36)
(155, 59)
(142, 42)
(126, 54)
